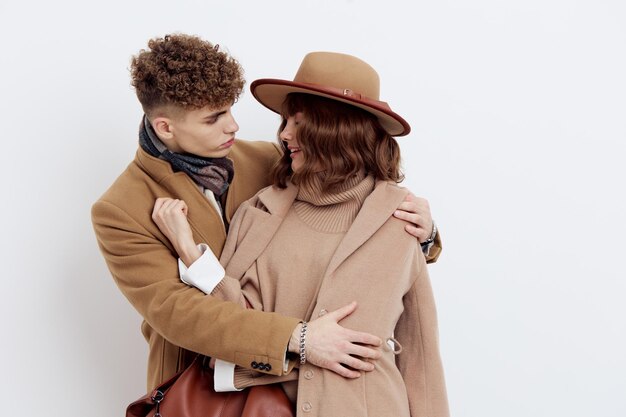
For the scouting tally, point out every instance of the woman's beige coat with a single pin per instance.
(376, 264)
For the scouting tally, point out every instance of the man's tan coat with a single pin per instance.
(383, 269)
(179, 319)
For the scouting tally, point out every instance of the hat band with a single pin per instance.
(347, 93)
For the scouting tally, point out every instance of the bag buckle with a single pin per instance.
(157, 397)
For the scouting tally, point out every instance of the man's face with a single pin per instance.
(206, 132)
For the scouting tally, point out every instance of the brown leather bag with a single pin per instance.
(190, 393)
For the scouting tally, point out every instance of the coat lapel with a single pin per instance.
(264, 222)
(205, 221)
(376, 210)
(203, 218)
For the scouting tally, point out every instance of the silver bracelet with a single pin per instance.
(434, 233)
(302, 343)
(427, 244)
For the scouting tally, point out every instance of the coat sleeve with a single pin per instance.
(419, 361)
(146, 271)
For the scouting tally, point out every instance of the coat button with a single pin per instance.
(307, 407)
(308, 374)
(254, 365)
(268, 367)
(322, 312)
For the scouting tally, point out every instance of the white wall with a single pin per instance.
(518, 113)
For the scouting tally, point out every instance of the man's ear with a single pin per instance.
(163, 128)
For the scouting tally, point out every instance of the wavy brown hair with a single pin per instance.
(338, 141)
(184, 71)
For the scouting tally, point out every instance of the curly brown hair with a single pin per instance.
(338, 141)
(184, 71)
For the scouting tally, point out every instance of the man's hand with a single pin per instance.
(171, 217)
(416, 211)
(331, 346)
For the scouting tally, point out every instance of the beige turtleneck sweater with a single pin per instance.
(332, 212)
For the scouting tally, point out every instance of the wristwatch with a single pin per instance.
(428, 243)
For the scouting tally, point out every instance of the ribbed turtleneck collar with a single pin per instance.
(333, 211)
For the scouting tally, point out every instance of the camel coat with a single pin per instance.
(179, 319)
(383, 269)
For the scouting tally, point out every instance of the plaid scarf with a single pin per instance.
(212, 173)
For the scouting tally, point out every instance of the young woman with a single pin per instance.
(325, 234)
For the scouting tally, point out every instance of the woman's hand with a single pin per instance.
(170, 215)
(416, 211)
(331, 346)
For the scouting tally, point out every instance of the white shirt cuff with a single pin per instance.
(205, 273)
(224, 377)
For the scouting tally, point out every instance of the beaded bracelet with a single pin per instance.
(302, 343)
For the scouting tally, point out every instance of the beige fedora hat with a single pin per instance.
(336, 76)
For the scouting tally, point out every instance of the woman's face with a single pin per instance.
(290, 137)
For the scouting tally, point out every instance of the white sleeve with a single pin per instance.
(205, 273)
(224, 378)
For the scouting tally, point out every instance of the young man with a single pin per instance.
(186, 87)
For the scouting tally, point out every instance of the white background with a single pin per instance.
(518, 113)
